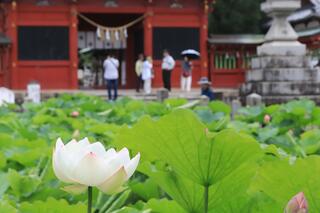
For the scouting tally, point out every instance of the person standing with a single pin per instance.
(147, 74)
(138, 70)
(186, 75)
(167, 66)
(111, 75)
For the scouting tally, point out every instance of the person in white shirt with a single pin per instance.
(138, 70)
(111, 75)
(167, 66)
(147, 74)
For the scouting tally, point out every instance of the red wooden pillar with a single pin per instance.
(203, 41)
(73, 47)
(148, 33)
(12, 34)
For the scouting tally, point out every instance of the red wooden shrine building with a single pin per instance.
(40, 39)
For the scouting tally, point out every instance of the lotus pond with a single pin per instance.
(193, 158)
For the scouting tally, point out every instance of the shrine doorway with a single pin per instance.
(93, 51)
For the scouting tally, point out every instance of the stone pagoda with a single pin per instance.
(282, 71)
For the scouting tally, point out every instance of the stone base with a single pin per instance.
(282, 48)
(283, 75)
(268, 100)
(282, 78)
(274, 88)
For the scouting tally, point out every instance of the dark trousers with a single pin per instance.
(139, 83)
(112, 85)
(166, 77)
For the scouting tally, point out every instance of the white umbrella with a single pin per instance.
(85, 50)
(190, 53)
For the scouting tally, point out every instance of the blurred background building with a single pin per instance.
(50, 40)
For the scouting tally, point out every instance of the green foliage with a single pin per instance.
(246, 164)
(228, 17)
(51, 205)
(196, 158)
(281, 181)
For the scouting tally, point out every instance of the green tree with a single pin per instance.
(235, 17)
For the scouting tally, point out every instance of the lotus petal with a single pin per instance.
(75, 189)
(113, 184)
(132, 165)
(91, 170)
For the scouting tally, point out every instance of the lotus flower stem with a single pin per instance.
(89, 199)
(206, 198)
(297, 146)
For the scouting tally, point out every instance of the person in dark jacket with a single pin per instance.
(206, 88)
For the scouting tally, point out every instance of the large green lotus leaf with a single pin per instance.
(272, 109)
(181, 140)
(146, 190)
(4, 183)
(155, 109)
(310, 141)
(52, 205)
(225, 196)
(5, 207)
(22, 185)
(281, 181)
(207, 116)
(299, 107)
(230, 194)
(264, 134)
(6, 140)
(175, 102)
(29, 157)
(185, 192)
(262, 203)
(3, 160)
(5, 128)
(103, 128)
(219, 106)
(250, 113)
(153, 205)
(244, 127)
(134, 106)
(164, 206)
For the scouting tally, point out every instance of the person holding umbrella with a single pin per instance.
(167, 66)
(186, 75)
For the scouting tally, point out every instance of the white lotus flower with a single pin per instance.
(83, 164)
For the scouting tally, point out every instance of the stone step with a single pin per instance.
(281, 88)
(283, 74)
(268, 100)
(281, 62)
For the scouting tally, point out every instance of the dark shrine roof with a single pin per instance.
(236, 39)
(305, 12)
(254, 39)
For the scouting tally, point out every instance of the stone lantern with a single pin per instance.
(281, 38)
(34, 92)
(282, 71)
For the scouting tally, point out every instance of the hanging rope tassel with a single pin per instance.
(112, 33)
(98, 32)
(107, 35)
(125, 33)
(116, 35)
